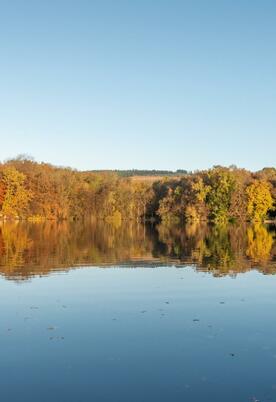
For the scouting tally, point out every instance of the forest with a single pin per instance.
(40, 191)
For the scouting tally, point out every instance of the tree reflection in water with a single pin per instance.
(28, 249)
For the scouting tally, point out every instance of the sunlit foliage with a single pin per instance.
(16, 196)
(40, 191)
(221, 184)
(259, 200)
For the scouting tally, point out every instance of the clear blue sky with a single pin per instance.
(139, 83)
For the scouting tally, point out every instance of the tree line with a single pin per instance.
(37, 191)
(139, 172)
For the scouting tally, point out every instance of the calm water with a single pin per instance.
(93, 312)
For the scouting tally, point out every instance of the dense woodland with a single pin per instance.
(38, 191)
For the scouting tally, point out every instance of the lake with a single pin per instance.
(98, 312)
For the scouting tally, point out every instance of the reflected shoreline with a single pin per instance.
(35, 249)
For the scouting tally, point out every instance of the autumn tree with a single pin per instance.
(2, 192)
(238, 203)
(16, 197)
(259, 201)
(142, 194)
(269, 175)
(221, 185)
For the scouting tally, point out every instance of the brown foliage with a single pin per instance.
(40, 191)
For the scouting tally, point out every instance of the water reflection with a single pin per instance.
(28, 249)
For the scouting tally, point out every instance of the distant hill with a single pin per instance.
(144, 173)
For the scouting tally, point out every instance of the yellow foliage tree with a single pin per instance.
(16, 195)
(259, 200)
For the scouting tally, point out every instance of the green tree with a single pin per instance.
(221, 184)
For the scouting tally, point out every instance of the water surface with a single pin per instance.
(91, 312)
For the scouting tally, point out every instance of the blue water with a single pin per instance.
(143, 334)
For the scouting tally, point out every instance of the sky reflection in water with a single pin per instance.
(167, 333)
